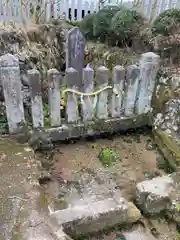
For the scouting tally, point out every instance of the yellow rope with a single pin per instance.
(91, 93)
(74, 91)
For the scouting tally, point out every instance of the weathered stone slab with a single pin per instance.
(167, 132)
(153, 195)
(54, 79)
(98, 127)
(102, 103)
(36, 98)
(86, 102)
(162, 139)
(10, 78)
(159, 194)
(131, 88)
(149, 65)
(75, 46)
(117, 100)
(96, 216)
(72, 78)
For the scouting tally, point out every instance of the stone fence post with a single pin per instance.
(149, 66)
(36, 98)
(10, 77)
(54, 80)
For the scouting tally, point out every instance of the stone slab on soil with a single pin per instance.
(96, 216)
(158, 195)
(91, 203)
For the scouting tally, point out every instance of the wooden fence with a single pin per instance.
(118, 103)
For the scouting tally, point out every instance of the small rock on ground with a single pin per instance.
(158, 195)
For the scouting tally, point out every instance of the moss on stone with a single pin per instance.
(169, 147)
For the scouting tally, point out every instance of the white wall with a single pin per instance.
(12, 7)
(61, 8)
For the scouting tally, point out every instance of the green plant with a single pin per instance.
(167, 22)
(86, 26)
(46, 115)
(166, 33)
(127, 23)
(99, 54)
(73, 23)
(3, 120)
(119, 236)
(102, 22)
(107, 156)
(178, 207)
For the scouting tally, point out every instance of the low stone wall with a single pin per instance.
(166, 111)
(166, 130)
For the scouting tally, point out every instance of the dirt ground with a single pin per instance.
(17, 175)
(137, 161)
(16, 180)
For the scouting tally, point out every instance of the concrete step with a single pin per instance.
(96, 216)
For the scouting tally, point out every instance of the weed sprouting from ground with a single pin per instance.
(107, 156)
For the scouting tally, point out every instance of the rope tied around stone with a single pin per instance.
(116, 91)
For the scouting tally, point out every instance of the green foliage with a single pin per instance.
(112, 24)
(107, 156)
(86, 26)
(167, 22)
(73, 23)
(127, 23)
(3, 120)
(100, 54)
(46, 115)
(178, 207)
(102, 22)
(119, 236)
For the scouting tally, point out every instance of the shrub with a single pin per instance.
(86, 26)
(127, 23)
(167, 22)
(102, 22)
(166, 33)
(73, 23)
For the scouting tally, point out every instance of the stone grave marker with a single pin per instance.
(75, 45)
(11, 83)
